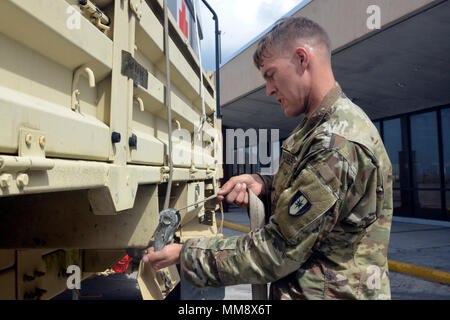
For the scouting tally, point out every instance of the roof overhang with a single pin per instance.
(401, 68)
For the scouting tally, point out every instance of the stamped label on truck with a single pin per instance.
(132, 69)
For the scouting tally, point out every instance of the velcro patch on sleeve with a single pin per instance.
(302, 203)
(299, 204)
(329, 177)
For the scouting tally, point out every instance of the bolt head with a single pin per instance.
(115, 137)
(22, 180)
(5, 180)
(42, 141)
(28, 139)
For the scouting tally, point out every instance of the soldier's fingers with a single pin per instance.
(227, 187)
(233, 194)
(148, 258)
(221, 197)
(241, 196)
(156, 259)
(244, 202)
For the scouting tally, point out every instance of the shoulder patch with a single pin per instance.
(299, 204)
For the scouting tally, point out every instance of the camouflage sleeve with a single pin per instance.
(267, 192)
(267, 183)
(304, 215)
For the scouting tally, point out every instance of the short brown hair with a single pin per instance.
(285, 31)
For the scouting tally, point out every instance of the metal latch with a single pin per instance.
(169, 220)
(98, 18)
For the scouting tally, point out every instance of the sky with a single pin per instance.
(240, 21)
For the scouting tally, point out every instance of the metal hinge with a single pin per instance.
(31, 158)
(136, 7)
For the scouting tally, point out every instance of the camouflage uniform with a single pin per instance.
(328, 234)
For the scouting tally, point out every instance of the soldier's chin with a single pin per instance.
(291, 113)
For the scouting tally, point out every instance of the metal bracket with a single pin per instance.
(192, 171)
(31, 143)
(31, 158)
(156, 285)
(207, 218)
(136, 7)
(164, 173)
(118, 193)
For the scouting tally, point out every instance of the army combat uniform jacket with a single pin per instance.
(331, 212)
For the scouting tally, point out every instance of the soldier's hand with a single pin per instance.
(168, 256)
(237, 186)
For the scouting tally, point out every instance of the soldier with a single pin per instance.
(330, 202)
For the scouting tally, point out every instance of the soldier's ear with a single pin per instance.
(302, 58)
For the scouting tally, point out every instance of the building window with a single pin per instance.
(445, 121)
(392, 136)
(393, 144)
(425, 165)
(425, 152)
(447, 197)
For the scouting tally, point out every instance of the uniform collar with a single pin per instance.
(308, 124)
(324, 106)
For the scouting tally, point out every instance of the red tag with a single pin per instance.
(123, 264)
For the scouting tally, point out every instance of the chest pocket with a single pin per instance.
(284, 174)
(302, 203)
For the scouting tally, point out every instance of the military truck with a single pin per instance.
(89, 94)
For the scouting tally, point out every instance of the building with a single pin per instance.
(398, 71)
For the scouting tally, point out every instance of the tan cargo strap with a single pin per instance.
(257, 221)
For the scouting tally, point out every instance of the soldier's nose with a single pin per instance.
(270, 90)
